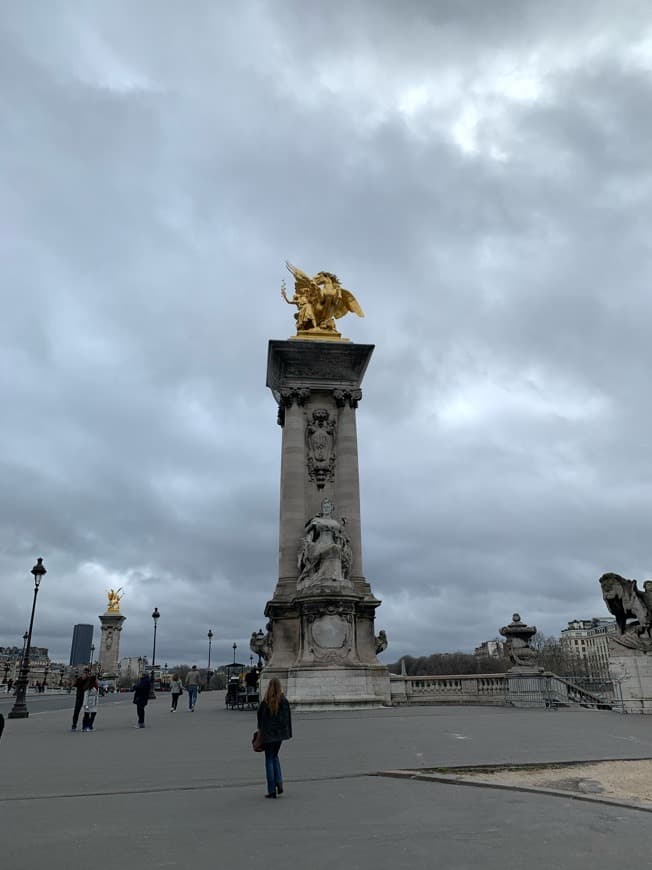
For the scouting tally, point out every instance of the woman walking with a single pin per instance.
(275, 726)
(141, 697)
(176, 690)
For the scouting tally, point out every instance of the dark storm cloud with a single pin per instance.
(476, 173)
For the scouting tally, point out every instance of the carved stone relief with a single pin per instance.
(321, 433)
(288, 397)
(347, 397)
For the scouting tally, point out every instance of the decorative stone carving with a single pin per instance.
(517, 643)
(626, 601)
(261, 643)
(321, 432)
(347, 397)
(381, 642)
(329, 630)
(325, 555)
(288, 397)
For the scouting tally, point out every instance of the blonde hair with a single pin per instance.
(273, 695)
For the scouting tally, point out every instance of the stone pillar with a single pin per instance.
(109, 660)
(321, 633)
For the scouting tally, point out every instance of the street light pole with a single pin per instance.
(235, 646)
(155, 617)
(19, 710)
(92, 656)
(208, 669)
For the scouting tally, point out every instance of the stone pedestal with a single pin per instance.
(631, 669)
(109, 660)
(321, 638)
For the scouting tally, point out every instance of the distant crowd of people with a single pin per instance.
(273, 716)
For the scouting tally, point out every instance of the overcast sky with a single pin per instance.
(477, 173)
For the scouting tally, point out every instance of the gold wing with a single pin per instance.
(347, 303)
(301, 280)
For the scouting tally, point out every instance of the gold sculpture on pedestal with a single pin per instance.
(114, 600)
(320, 300)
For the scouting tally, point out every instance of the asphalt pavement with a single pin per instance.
(187, 791)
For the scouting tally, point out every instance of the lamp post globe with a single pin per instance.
(19, 710)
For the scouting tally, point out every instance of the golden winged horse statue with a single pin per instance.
(320, 301)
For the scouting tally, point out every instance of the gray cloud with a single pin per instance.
(476, 173)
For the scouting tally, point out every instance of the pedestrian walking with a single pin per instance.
(81, 684)
(192, 687)
(176, 690)
(141, 697)
(91, 696)
(275, 726)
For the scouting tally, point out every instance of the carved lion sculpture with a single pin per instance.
(625, 601)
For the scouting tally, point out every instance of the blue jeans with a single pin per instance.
(273, 767)
(192, 696)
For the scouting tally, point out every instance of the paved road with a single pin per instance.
(188, 792)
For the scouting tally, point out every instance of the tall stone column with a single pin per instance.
(321, 640)
(109, 661)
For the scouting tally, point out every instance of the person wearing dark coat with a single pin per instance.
(81, 684)
(141, 697)
(275, 726)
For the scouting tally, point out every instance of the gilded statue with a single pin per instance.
(114, 600)
(320, 300)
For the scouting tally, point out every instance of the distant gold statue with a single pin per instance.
(319, 300)
(114, 600)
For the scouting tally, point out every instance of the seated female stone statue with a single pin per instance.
(325, 554)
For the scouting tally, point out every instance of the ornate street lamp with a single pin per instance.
(92, 656)
(155, 617)
(235, 646)
(208, 669)
(45, 676)
(19, 710)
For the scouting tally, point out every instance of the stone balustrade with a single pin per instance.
(535, 690)
(449, 689)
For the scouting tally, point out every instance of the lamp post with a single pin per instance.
(92, 656)
(251, 661)
(155, 617)
(45, 676)
(235, 646)
(4, 679)
(208, 669)
(19, 710)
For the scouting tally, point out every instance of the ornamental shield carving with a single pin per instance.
(320, 445)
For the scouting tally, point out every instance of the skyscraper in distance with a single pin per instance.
(82, 639)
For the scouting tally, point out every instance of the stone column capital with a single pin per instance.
(347, 397)
(288, 396)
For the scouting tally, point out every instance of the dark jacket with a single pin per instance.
(141, 692)
(275, 728)
(81, 684)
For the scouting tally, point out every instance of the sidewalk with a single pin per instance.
(187, 791)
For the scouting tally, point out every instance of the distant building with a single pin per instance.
(493, 649)
(82, 640)
(132, 668)
(585, 640)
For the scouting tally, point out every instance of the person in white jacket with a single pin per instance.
(176, 690)
(91, 696)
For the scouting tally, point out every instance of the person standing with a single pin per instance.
(275, 726)
(81, 684)
(141, 697)
(176, 690)
(192, 687)
(91, 696)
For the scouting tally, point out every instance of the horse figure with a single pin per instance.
(625, 601)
